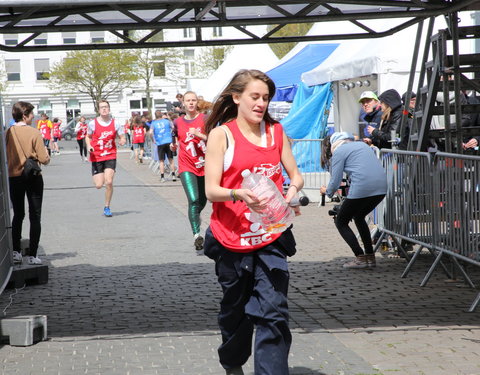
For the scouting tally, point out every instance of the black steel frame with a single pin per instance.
(34, 17)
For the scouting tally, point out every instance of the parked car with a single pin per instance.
(68, 131)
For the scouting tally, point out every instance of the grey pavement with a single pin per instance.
(128, 295)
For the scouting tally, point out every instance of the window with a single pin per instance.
(217, 31)
(188, 33)
(69, 38)
(97, 36)
(135, 104)
(159, 69)
(44, 106)
(73, 104)
(13, 70)
(40, 40)
(159, 103)
(42, 67)
(189, 56)
(73, 109)
(11, 40)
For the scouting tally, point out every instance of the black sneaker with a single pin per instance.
(234, 371)
(198, 243)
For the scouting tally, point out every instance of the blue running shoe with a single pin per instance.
(107, 212)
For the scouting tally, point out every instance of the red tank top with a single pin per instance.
(191, 155)
(228, 222)
(103, 142)
(57, 133)
(82, 132)
(44, 129)
(138, 134)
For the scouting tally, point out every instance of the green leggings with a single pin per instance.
(194, 187)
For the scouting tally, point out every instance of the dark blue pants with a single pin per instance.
(255, 289)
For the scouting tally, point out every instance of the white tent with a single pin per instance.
(256, 56)
(382, 63)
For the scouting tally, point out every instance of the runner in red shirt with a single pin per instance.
(251, 263)
(190, 138)
(56, 135)
(138, 139)
(81, 130)
(101, 135)
(45, 126)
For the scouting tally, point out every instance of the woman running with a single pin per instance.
(189, 138)
(56, 135)
(251, 263)
(138, 139)
(81, 130)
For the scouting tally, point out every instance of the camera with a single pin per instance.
(334, 211)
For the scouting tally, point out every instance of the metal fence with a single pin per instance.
(6, 260)
(409, 196)
(434, 202)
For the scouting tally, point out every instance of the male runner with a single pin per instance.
(100, 140)
(161, 134)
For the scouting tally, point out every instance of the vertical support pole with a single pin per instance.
(406, 106)
(456, 83)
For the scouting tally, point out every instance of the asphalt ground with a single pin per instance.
(128, 294)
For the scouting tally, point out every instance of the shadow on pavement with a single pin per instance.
(86, 300)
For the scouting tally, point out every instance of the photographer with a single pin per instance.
(368, 186)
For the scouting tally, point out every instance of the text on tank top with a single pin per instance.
(191, 156)
(229, 221)
(82, 132)
(138, 134)
(103, 142)
(44, 129)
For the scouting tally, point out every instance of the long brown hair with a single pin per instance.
(326, 152)
(386, 114)
(224, 109)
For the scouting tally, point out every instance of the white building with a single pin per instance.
(26, 79)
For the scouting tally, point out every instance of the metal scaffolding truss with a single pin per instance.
(29, 19)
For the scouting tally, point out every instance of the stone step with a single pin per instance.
(24, 330)
(28, 275)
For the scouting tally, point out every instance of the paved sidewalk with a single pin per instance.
(128, 295)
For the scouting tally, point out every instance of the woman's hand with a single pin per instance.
(472, 143)
(370, 129)
(368, 141)
(323, 190)
(251, 200)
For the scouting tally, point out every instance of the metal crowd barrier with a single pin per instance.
(435, 204)
(456, 183)
(6, 260)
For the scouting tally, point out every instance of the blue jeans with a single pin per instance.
(255, 287)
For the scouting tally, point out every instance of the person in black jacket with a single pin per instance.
(391, 104)
(472, 143)
(371, 114)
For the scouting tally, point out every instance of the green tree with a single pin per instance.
(210, 58)
(294, 29)
(3, 76)
(97, 73)
(156, 62)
